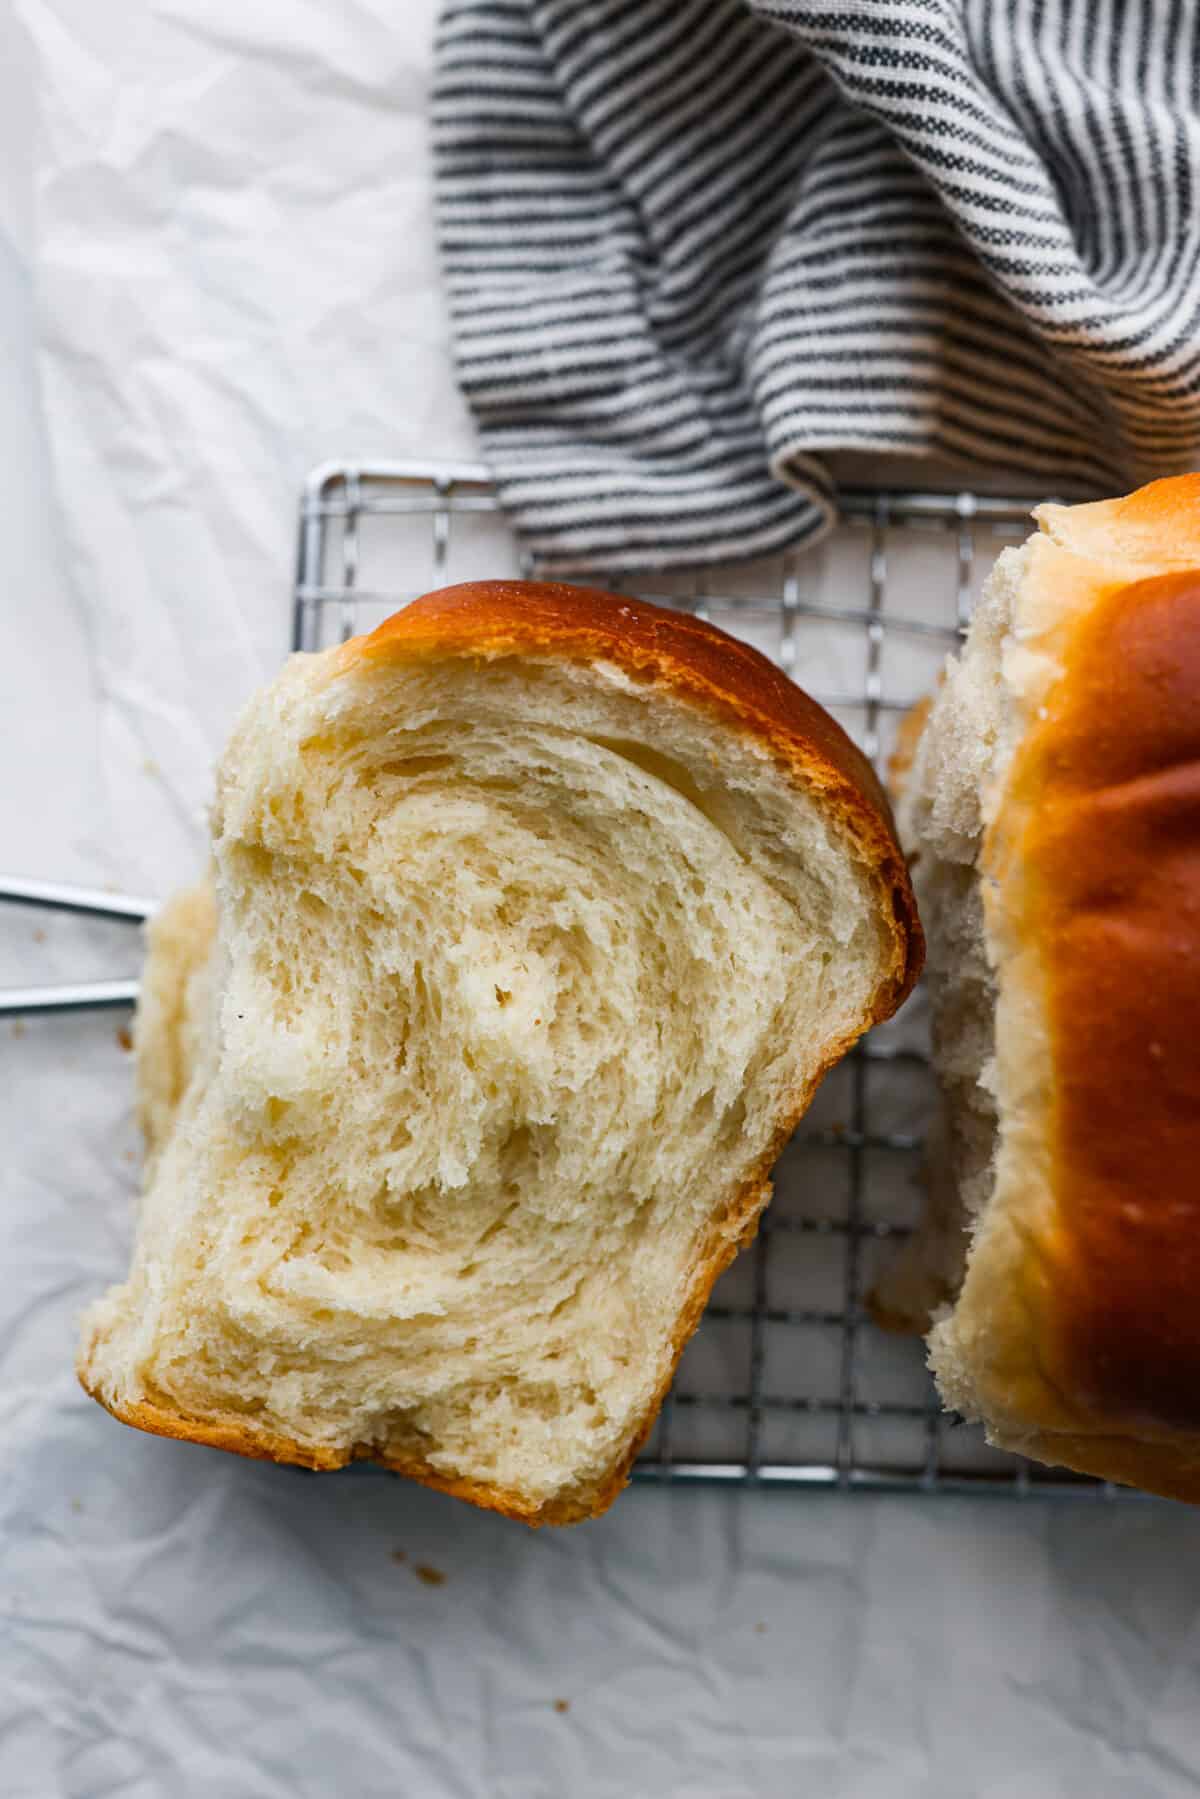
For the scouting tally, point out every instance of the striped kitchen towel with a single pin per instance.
(693, 247)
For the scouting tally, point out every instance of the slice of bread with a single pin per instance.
(539, 915)
(1052, 811)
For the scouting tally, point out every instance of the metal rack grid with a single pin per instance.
(787, 1382)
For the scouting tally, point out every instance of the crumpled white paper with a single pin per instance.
(216, 270)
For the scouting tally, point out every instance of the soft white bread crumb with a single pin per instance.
(519, 968)
(171, 1028)
(962, 756)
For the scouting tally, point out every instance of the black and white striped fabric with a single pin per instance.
(694, 246)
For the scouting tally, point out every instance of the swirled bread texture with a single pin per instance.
(536, 918)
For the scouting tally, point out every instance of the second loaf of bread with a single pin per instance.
(1052, 806)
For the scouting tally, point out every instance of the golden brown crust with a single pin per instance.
(700, 664)
(1156, 527)
(243, 1439)
(240, 1437)
(1105, 879)
(1172, 1470)
(1076, 1334)
(669, 649)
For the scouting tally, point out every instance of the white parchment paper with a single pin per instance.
(216, 270)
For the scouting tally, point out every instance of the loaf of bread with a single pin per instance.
(539, 915)
(1052, 812)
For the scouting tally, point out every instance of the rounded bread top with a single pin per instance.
(690, 661)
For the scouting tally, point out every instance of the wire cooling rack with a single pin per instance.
(787, 1381)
